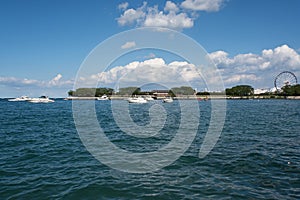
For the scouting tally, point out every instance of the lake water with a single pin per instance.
(256, 157)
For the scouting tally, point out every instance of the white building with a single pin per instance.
(261, 91)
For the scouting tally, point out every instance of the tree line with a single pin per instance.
(247, 90)
(289, 90)
(91, 92)
(239, 90)
(97, 92)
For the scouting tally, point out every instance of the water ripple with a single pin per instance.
(257, 156)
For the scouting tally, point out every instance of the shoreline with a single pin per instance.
(187, 97)
(198, 97)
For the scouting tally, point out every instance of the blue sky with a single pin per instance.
(43, 43)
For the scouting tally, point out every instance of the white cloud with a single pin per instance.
(17, 82)
(171, 7)
(277, 58)
(284, 56)
(257, 69)
(154, 70)
(123, 6)
(128, 45)
(55, 80)
(171, 20)
(202, 5)
(241, 77)
(172, 16)
(220, 58)
(131, 16)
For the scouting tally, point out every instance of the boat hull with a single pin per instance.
(41, 100)
(137, 100)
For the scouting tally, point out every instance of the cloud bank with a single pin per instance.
(17, 82)
(257, 69)
(154, 70)
(174, 16)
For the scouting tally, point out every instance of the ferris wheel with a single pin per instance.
(285, 78)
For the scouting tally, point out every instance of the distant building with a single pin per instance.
(274, 89)
(160, 93)
(261, 91)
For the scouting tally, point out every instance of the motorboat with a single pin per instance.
(103, 97)
(80, 98)
(168, 100)
(22, 98)
(41, 99)
(137, 100)
(149, 98)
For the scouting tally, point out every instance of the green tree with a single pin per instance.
(90, 92)
(293, 90)
(171, 93)
(85, 92)
(183, 90)
(130, 91)
(240, 90)
(71, 93)
(102, 91)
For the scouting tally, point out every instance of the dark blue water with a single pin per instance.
(256, 157)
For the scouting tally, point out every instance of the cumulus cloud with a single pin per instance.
(123, 6)
(170, 20)
(269, 58)
(171, 7)
(172, 16)
(131, 16)
(154, 70)
(258, 69)
(220, 58)
(202, 5)
(282, 56)
(128, 45)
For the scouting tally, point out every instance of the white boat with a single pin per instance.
(103, 97)
(149, 98)
(22, 98)
(137, 100)
(168, 100)
(80, 98)
(41, 99)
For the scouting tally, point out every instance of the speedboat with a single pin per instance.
(22, 98)
(41, 99)
(103, 97)
(137, 100)
(168, 100)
